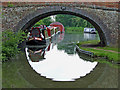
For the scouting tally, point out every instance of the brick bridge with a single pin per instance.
(102, 15)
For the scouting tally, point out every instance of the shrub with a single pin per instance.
(10, 41)
(10, 5)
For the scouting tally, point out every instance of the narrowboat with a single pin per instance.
(36, 36)
(39, 35)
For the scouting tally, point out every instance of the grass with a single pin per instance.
(74, 29)
(101, 53)
(110, 48)
(88, 42)
(107, 62)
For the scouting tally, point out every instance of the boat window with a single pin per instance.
(35, 33)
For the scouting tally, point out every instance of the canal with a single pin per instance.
(58, 65)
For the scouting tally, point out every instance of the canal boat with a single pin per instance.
(90, 30)
(39, 35)
(36, 36)
(51, 31)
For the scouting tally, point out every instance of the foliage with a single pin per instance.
(46, 21)
(72, 21)
(64, 19)
(107, 62)
(10, 5)
(69, 21)
(10, 43)
(39, 23)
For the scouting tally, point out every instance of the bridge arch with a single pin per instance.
(34, 17)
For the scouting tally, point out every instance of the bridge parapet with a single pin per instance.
(82, 4)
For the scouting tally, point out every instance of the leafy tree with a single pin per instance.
(39, 23)
(72, 21)
(46, 21)
(64, 19)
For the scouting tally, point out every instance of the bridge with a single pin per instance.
(102, 15)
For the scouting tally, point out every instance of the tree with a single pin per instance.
(39, 23)
(72, 21)
(46, 21)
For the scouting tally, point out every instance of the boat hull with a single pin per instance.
(36, 42)
(90, 32)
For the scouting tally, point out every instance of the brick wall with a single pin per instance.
(103, 4)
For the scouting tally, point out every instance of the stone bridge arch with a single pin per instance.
(30, 19)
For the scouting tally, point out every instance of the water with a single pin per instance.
(58, 65)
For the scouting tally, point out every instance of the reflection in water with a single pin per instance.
(56, 64)
(88, 36)
(18, 73)
(37, 55)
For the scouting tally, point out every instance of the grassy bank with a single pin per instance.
(74, 29)
(109, 53)
(88, 42)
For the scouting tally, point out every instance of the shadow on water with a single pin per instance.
(23, 71)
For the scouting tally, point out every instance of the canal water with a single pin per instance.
(58, 65)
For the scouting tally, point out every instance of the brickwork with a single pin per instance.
(104, 16)
(104, 4)
(60, 0)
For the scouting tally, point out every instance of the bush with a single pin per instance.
(10, 5)
(10, 41)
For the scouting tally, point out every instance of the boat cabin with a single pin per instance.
(36, 36)
(90, 30)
